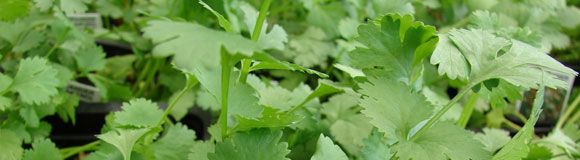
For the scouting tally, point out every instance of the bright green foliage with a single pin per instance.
(375, 147)
(13, 9)
(72, 6)
(493, 138)
(275, 38)
(326, 149)
(5, 83)
(271, 118)
(42, 149)
(395, 111)
(110, 90)
(90, 58)
(35, 81)
(397, 44)
(139, 113)
(175, 144)
(10, 144)
(310, 48)
(123, 139)
(489, 56)
(199, 150)
(260, 144)
(518, 147)
(347, 125)
(193, 45)
(325, 16)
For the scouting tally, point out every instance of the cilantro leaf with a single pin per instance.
(259, 144)
(13, 9)
(396, 111)
(493, 138)
(123, 139)
(35, 81)
(42, 149)
(175, 144)
(139, 113)
(325, 149)
(271, 118)
(90, 58)
(193, 45)
(5, 83)
(375, 147)
(521, 64)
(518, 147)
(396, 43)
(11, 145)
(73, 6)
(200, 150)
(347, 125)
(311, 48)
(274, 39)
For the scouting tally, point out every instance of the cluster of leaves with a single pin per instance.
(385, 98)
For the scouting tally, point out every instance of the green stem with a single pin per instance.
(260, 21)
(440, 113)
(246, 63)
(57, 44)
(190, 83)
(571, 108)
(225, 87)
(574, 118)
(512, 125)
(68, 152)
(467, 110)
(519, 115)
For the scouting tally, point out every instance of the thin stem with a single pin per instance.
(57, 44)
(225, 87)
(574, 118)
(68, 152)
(467, 110)
(440, 113)
(260, 21)
(519, 115)
(512, 125)
(571, 108)
(246, 63)
(171, 106)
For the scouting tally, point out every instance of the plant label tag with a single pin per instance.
(85, 92)
(90, 21)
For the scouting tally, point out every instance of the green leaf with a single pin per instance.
(105, 151)
(42, 149)
(539, 152)
(280, 98)
(375, 147)
(347, 27)
(394, 44)
(90, 58)
(493, 138)
(182, 105)
(195, 46)
(200, 150)
(28, 41)
(73, 6)
(271, 118)
(43, 5)
(311, 48)
(347, 125)
(11, 145)
(521, 64)
(518, 147)
(110, 90)
(5, 83)
(29, 115)
(325, 149)
(260, 144)
(325, 16)
(175, 144)
(13, 9)
(35, 81)
(123, 139)
(396, 111)
(269, 62)
(273, 39)
(139, 113)
(222, 21)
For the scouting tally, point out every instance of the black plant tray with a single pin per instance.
(90, 118)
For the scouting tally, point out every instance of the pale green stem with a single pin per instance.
(246, 63)
(467, 110)
(571, 108)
